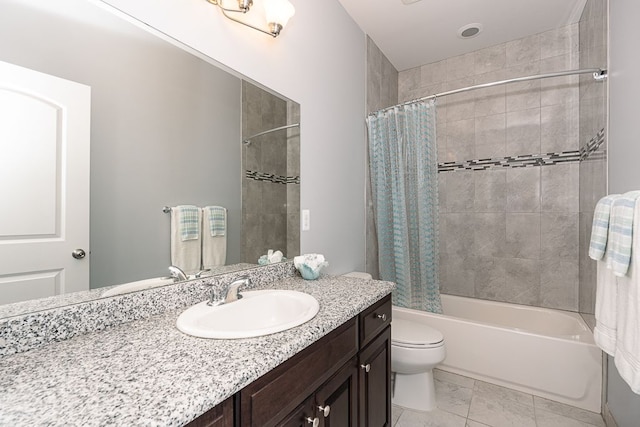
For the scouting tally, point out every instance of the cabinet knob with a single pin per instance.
(366, 367)
(325, 410)
(382, 317)
(315, 422)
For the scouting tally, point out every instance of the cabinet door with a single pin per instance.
(303, 416)
(375, 382)
(220, 416)
(268, 400)
(337, 400)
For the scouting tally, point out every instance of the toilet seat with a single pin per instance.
(407, 334)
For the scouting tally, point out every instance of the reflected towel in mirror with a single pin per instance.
(186, 253)
(214, 239)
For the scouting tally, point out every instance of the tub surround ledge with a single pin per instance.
(146, 372)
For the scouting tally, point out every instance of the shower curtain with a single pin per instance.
(404, 173)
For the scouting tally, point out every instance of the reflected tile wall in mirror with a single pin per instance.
(271, 180)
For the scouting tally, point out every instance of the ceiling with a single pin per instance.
(426, 31)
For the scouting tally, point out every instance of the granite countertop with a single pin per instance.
(39, 304)
(148, 373)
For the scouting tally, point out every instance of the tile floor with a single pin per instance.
(465, 402)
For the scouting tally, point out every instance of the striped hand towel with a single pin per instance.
(217, 220)
(600, 227)
(621, 233)
(189, 222)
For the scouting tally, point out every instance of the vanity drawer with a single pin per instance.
(266, 401)
(374, 319)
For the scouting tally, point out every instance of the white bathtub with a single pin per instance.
(548, 353)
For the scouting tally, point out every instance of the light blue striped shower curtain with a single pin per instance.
(404, 173)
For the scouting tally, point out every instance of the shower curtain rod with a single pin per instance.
(247, 141)
(598, 74)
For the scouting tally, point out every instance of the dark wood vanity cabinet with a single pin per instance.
(342, 380)
(336, 402)
(220, 416)
(374, 361)
(271, 398)
(375, 382)
(302, 416)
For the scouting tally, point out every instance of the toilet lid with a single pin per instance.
(412, 334)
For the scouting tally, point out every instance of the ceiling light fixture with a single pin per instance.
(278, 13)
(469, 31)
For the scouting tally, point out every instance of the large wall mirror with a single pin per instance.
(167, 127)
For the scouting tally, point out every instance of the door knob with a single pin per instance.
(315, 422)
(325, 410)
(382, 317)
(366, 367)
(79, 254)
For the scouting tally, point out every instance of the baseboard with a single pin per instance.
(609, 421)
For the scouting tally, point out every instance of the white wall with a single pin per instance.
(624, 154)
(319, 62)
(624, 87)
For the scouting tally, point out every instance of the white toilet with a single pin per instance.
(415, 350)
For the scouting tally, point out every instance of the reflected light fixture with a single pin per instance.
(277, 13)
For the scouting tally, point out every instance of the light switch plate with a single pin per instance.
(306, 220)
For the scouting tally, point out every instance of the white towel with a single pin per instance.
(185, 254)
(606, 312)
(214, 248)
(621, 232)
(627, 356)
(600, 227)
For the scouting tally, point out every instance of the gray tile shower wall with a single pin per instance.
(593, 117)
(382, 91)
(512, 233)
(509, 233)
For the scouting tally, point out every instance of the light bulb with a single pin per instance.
(278, 11)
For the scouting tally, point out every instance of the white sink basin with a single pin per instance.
(257, 313)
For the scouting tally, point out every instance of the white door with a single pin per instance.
(44, 184)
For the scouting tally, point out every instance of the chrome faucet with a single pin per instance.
(201, 272)
(177, 274)
(228, 293)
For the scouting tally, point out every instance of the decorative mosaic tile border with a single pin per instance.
(526, 160)
(269, 177)
(589, 150)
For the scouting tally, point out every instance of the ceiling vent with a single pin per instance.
(469, 31)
